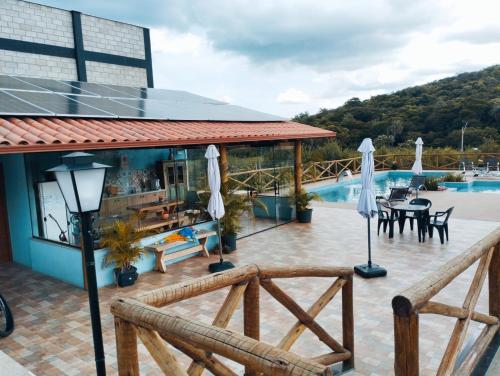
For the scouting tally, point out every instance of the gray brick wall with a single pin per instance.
(35, 23)
(42, 66)
(112, 37)
(25, 21)
(115, 74)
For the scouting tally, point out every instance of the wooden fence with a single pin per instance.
(158, 327)
(264, 179)
(416, 300)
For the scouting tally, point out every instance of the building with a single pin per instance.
(155, 139)
(41, 41)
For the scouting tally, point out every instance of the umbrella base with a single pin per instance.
(217, 267)
(366, 271)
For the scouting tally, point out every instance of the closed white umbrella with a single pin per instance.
(215, 204)
(417, 165)
(367, 206)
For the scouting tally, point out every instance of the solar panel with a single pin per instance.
(36, 96)
(60, 105)
(131, 91)
(176, 96)
(12, 106)
(109, 105)
(154, 109)
(55, 86)
(98, 89)
(11, 83)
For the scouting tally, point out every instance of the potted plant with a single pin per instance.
(123, 244)
(302, 202)
(235, 205)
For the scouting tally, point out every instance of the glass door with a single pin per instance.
(284, 177)
(252, 182)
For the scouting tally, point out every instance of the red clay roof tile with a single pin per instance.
(52, 133)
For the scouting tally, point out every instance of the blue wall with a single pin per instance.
(59, 261)
(50, 258)
(16, 192)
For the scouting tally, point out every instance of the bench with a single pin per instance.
(161, 256)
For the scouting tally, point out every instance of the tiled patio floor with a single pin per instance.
(53, 335)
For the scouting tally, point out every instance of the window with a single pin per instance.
(159, 188)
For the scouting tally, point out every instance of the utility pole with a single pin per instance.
(463, 131)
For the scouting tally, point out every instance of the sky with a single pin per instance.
(290, 56)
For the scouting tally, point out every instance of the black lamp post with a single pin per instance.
(82, 183)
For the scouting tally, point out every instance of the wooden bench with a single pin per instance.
(161, 256)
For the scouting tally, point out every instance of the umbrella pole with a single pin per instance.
(220, 240)
(370, 270)
(222, 265)
(369, 245)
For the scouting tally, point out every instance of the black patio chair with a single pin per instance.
(397, 194)
(412, 216)
(441, 225)
(383, 218)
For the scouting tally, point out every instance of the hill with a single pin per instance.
(435, 111)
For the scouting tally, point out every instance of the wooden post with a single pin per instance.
(298, 165)
(251, 314)
(126, 348)
(494, 282)
(224, 167)
(406, 345)
(348, 321)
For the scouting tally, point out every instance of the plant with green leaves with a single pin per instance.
(235, 205)
(123, 244)
(303, 199)
(432, 183)
(455, 178)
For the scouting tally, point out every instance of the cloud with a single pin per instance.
(287, 57)
(292, 96)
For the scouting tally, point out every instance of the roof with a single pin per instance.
(39, 134)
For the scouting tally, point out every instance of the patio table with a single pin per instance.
(419, 211)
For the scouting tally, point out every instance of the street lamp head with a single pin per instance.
(81, 182)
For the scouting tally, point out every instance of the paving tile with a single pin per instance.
(53, 334)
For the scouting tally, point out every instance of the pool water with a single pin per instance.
(350, 190)
(485, 186)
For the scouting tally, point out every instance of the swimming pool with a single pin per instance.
(349, 190)
(486, 186)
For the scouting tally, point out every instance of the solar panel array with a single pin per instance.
(28, 96)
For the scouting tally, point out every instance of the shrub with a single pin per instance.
(459, 178)
(432, 183)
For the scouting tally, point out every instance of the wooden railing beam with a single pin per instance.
(126, 348)
(298, 328)
(348, 320)
(185, 290)
(259, 356)
(420, 293)
(160, 352)
(302, 315)
(222, 318)
(406, 345)
(494, 283)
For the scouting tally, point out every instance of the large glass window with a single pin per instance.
(160, 189)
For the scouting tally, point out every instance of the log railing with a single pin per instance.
(416, 300)
(159, 328)
(263, 179)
